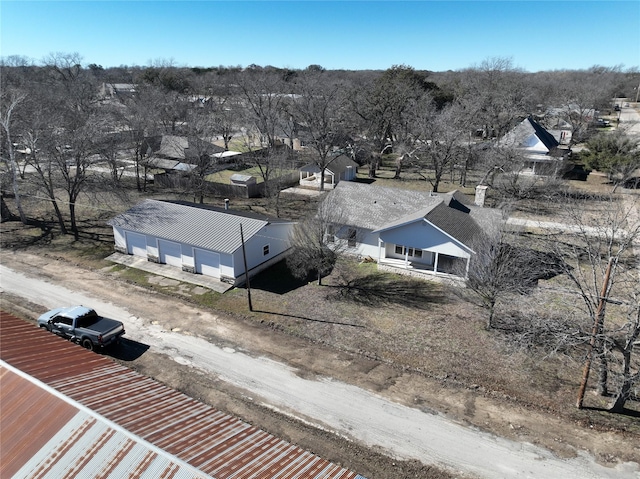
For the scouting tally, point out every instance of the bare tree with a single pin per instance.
(495, 94)
(381, 104)
(315, 242)
(597, 248)
(624, 339)
(319, 108)
(140, 120)
(500, 269)
(440, 141)
(264, 101)
(581, 95)
(10, 101)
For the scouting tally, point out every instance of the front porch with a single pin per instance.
(442, 273)
(311, 180)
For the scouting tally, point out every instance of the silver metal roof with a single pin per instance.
(200, 226)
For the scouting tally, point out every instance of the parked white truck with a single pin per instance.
(83, 326)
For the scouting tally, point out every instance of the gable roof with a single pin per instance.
(374, 207)
(454, 222)
(530, 135)
(203, 226)
(125, 424)
(380, 208)
(180, 147)
(337, 165)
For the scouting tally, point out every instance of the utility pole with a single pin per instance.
(246, 271)
(597, 325)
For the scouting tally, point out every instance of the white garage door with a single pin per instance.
(136, 244)
(170, 253)
(207, 263)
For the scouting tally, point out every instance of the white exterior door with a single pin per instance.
(170, 253)
(136, 244)
(207, 263)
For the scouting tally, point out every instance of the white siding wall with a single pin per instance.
(420, 234)
(118, 236)
(425, 236)
(231, 265)
(276, 236)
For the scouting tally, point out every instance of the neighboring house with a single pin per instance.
(341, 168)
(179, 155)
(181, 149)
(540, 149)
(201, 239)
(409, 230)
(110, 90)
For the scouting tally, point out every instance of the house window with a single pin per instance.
(410, 252)
(265, 250)
(351, 238)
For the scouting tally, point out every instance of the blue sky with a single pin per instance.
(354, 35)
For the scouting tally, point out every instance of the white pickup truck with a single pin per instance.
(83, 326)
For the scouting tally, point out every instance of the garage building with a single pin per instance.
(201, 239)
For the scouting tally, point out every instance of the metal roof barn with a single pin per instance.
(66, 411)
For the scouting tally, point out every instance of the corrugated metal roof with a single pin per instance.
(44, 435)
(200, 226)
(137, 412)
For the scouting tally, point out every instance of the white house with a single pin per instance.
(409, 230)
(201, 239)
(340, 168)
(540, 149)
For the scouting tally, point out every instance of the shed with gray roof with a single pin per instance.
(411, 230)
(201, 239)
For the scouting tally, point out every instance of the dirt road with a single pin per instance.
(345, 410)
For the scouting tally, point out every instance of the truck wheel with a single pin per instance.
(87, 344)
(45, 327)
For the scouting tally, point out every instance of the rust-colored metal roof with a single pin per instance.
(101, 419)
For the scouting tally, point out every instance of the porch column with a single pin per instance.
(406, 258)
(380, 242)
(435, 264)
(466, 272)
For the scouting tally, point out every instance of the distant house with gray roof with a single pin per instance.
(410, 231)
(201, 239)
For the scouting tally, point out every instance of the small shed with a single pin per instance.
(242, 180)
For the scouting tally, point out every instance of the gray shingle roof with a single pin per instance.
(374, 207)
(455, 223)
(202, 226)
(377, 208)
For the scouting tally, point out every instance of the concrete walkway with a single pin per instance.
(169, 271)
